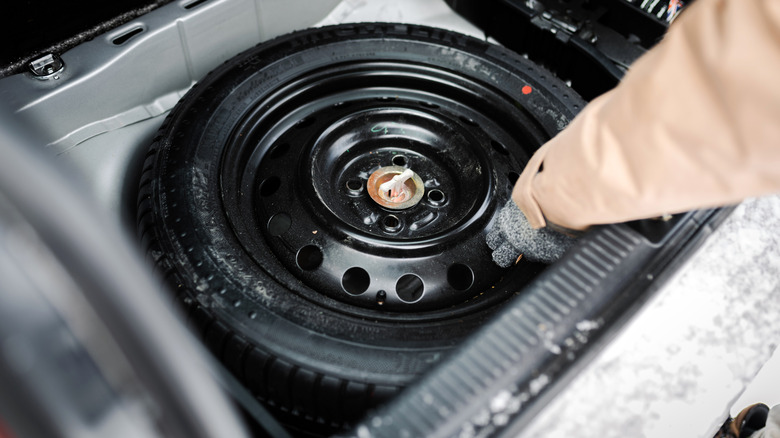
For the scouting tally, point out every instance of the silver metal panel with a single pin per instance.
(106, 85)
(101, 111)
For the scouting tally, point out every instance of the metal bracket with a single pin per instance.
(47, 67)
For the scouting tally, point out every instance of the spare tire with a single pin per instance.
(258, 205)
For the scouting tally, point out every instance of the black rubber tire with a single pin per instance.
(311, 357)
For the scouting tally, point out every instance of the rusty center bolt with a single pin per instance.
(410, 194)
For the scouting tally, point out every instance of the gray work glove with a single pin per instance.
(512, 236)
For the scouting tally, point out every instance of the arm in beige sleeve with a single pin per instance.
(695, 123)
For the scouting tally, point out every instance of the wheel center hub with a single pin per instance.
(395, 187)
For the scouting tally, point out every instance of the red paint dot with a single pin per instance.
(527, 89)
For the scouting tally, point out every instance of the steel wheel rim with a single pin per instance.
(290, 153)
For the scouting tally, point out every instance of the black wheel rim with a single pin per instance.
(295, 170)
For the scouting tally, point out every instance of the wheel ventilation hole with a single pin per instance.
(498, 147)
(309, 258)
(279, 224)
(278, 150)
(269, 186)
(409, 288)
(355, 281)
(460, 277)
(305, 122)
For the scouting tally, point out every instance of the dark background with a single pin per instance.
(30, 28)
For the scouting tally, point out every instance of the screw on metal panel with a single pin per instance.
(47, 66)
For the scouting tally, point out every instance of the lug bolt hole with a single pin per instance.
(436, 197)
(399, 160)
(354, 186)
(391, 223)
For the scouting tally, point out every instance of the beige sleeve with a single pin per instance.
(695, 123)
